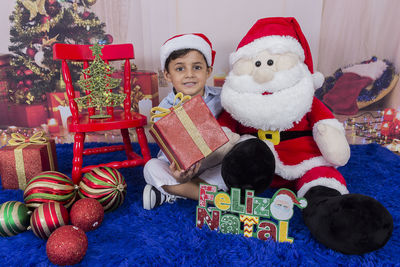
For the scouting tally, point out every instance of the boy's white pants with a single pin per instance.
(157, 173)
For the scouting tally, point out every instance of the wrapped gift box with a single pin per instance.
(4, 65)
(28, 115)
(59, 106)
(148, 82)
(20, 163)
(188, 133)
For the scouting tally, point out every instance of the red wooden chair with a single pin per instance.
(80, 122)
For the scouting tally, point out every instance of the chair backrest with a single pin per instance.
(83, 53)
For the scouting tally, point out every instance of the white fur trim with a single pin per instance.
(324, 181)
(292, 172)
(190, 41)
(275, 44)
(303, 203)
(318, 79)
(331, 122)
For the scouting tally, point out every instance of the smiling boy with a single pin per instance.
(187, 62)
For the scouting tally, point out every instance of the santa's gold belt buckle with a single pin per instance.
(272, 136)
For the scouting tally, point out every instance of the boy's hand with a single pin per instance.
(183, 176)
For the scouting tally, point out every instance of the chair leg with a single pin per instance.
(78, 157)
(144, 147)
(127, 142)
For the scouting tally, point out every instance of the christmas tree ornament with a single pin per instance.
(109, 39)
(67, 245)
(49, 186)
(14, 218)
(89, 2)
(105, 184)
(87, 214)
(52, 7)
(85, 14)
(30, 52)
(99, 83)
(48, 217)
(38, 58)
(35, 7)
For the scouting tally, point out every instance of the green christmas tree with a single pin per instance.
(100, 84)
(35, 26)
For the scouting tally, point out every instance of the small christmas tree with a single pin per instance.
(99, 84)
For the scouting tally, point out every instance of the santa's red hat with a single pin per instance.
(278, 35)
(196, 41)
(290, 196)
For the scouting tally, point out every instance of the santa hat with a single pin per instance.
(196, 41)
(290, 196)
(278, 35)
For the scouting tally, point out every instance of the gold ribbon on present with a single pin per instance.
(22, 141)
(184, 118)
(159, 112)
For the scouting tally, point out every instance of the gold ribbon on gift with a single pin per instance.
(159, 112)
(22, 141)
(184, 118)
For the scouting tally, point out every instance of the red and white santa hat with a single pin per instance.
(196, 41)
(278, 35)
(289, 196)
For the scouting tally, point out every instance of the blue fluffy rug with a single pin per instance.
(167, 235)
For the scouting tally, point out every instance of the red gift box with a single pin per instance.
(188, 133)
(148, 82)
(25, 159)
(27, 115)
(56, 99)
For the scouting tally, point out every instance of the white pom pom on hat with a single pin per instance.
(196, 41)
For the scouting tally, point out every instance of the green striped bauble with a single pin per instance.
(14, 218)
(105, 184)
(50, 186)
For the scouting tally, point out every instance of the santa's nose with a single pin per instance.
(263, 76)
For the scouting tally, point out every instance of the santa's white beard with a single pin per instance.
(292, 95)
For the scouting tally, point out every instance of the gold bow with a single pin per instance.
(19, 139)
(158, 112)
(35, 7)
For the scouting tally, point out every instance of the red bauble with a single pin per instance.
(87, 214)
(67, 245)
(30, 52)
(109, 39)
(28, 72)
(44, 19)
(85, 14)
(28, 83)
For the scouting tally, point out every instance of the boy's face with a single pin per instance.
(188, 74)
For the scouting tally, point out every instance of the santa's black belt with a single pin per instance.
(276, 137)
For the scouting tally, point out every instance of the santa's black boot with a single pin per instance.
(249, 165)
(351, 223)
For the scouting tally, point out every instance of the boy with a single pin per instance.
(186, 61)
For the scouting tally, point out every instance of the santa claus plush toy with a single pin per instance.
(290, 139)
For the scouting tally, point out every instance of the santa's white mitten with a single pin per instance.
(332, 143)
(216, 157)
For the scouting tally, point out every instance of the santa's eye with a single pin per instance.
(270, 62)
(258, 63)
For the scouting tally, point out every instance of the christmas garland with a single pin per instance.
(33, 67)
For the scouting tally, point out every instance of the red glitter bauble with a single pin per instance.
(87, 214)
(85, 14)
(30, 52)
(67, 245)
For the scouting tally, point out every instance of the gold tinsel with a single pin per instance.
(32, 66)
(37, 29)
(45, 27)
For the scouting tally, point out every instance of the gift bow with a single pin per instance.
(162, 112)
(19, 139)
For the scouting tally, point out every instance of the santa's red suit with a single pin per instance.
(299, 163)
